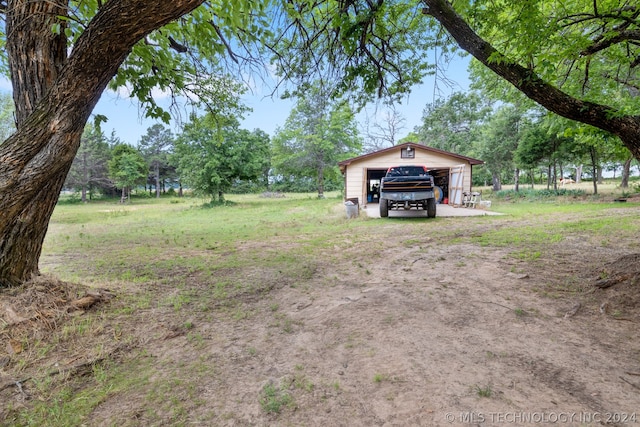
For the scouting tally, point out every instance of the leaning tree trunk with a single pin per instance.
(54, 96)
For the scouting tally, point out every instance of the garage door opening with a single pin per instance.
(372, 184)
(441, 181)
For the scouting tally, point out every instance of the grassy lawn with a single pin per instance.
(173, 261)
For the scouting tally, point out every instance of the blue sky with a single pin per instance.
(269, 113)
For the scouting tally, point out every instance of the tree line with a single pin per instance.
(520, 142)
(213, 155)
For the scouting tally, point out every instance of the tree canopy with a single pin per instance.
(89, 171)
(452, 124)
(317, 134)
(211, 155)
(156, 146)
(127, 168)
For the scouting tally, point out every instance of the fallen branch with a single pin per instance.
(495, 303)
(63, 370)
(630, 383)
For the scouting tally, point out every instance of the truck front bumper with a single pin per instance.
(403, 196)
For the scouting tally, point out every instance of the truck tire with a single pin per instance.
(431, 208)
(384, 208)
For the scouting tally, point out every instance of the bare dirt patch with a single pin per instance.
(418, 331)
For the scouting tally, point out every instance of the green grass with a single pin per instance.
(273, 399)
(530, 227)
(142, 241)
(483, 391)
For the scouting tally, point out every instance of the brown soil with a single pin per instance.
(423, 332)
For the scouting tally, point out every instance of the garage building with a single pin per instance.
(452, 172)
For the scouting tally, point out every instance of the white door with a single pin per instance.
(456, 185)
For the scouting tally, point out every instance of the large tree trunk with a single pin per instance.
(626, 127)
(54, 96)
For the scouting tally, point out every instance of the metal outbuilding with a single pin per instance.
(452, 172)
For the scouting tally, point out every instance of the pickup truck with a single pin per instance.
(406, 187)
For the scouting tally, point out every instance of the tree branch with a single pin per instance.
(528, 82)
(602, 43)
(180, 48)
(224, 41)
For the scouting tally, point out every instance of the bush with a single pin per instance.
(536, 195)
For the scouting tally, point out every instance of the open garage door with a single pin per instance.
(371, 184)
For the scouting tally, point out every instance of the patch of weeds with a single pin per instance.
(349, 344)
(273, 399)
(388, 320)
(252, 351)
(526, 237)
(410, 242)
(483, 391)
(178, 301)
(79, 326)
(300, 381)
(285, 323)
(196, 339)
(526, 255)
(72, 403)
(378, 378)
(519, 312)
(287, 326)
(617, 313)
(240, 314)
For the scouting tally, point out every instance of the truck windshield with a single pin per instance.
(407, 171)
